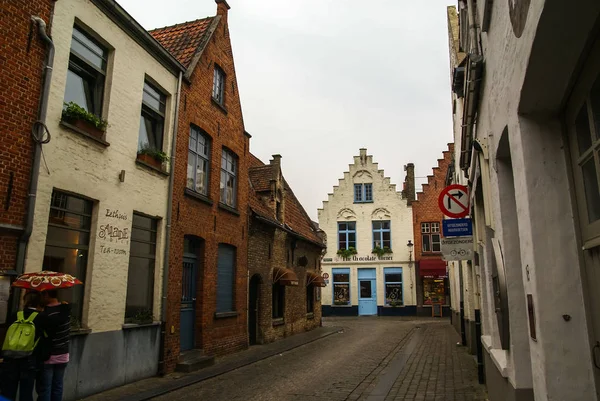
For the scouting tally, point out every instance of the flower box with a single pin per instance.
(87, 127)
(150, 160)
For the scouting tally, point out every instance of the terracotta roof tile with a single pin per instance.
(260, 177)
(182, 40)
(255, 161)
(296, 218)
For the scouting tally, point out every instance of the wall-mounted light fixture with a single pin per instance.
(410, 249)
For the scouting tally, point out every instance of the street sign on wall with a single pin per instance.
(457, 227)
(454, 201)
(457, 248)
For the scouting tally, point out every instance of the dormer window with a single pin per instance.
(278, 211)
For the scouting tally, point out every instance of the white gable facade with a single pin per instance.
(366, 212)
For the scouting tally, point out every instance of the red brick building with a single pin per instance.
(206, 310)
(284, 258)
(432, 280)
(22, 60)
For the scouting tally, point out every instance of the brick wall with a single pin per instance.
(426, 209)
(22, 55)
(268, 248)
(208, 220)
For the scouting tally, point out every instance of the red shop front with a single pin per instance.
(434, 282)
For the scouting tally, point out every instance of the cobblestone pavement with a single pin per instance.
(371, 358)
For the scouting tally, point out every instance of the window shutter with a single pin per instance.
(225, 278)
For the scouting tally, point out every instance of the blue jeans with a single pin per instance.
(49, 385)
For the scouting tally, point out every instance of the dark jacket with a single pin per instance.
(58, 328)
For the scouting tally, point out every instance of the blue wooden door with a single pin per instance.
(367, 292)
(188, 302)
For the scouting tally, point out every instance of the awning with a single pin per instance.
(284, 276)
(315, 279)
(432, 268)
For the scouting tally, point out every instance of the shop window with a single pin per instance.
(341, 287)
(140, 276)
(434, 291)
(382, 236)
(67, 243)
(393, 286)
(310, 298)
(198, 161)
(363, 193)
(152, 118)
(226, 278)
(228, 178)
(431, 238)
(278, 301)
(347, 235)
(86, 73)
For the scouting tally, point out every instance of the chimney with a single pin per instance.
(277, 189)
(363, 156)
(222, 8)
(409, 183)
(276, 160)
(275, 164)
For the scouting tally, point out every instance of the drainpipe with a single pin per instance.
(165, 283)
(39, 129)
(473, 77)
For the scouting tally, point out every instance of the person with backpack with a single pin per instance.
(57, 315)
(20, 350)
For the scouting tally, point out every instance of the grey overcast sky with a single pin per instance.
(319, 79)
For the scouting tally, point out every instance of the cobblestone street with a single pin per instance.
(369, 359)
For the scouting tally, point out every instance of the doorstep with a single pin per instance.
(156, 386)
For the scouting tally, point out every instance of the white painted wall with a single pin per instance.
(557, 366)
(79, 165)
(387, 204)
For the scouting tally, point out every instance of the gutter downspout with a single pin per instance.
(165, 283)
(474, 72)
(473, 78)
(38, 130)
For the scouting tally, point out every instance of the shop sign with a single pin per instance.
(457, 248)
(356, 258)
(457, 227)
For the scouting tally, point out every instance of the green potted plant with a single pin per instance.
(347, 253)
(79, 117)
(142, 316)
(152, 156)
(395, 303)
(340, 302)
(381, 251)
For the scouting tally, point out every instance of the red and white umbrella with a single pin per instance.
(45, 280)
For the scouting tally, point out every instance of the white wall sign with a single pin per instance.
(457, 248)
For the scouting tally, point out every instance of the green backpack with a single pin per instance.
(20, 338)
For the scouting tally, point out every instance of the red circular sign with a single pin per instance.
(454, 201)
(325, 276)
